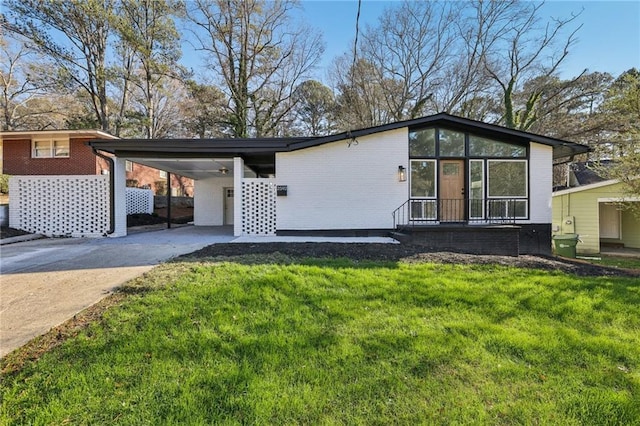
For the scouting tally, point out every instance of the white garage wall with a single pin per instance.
(337, 186)
(208, 201)
(540, 183)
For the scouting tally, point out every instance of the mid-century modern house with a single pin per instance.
(450, 182)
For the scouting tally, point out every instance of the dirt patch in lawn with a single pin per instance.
(408, 253)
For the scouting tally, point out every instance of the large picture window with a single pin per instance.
(494, 183)
(50, 148)
(507, 178)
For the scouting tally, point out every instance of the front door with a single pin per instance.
(451, 190)
(228, 206)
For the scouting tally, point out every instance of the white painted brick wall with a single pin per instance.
(540, 183)
(74, 206)
(336, 186)
(208, 201)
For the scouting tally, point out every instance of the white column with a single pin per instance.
(119, 194)
(15, 208)
(238, 175)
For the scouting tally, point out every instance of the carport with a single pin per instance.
(222, 169)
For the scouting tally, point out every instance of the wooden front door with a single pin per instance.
(452, 191)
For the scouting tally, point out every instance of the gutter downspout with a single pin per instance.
(168, 200)
(112, 186)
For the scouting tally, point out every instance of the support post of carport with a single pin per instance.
(238, 175)
(120, 197)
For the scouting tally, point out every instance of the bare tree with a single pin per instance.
(520, 47)
(150, 46)
(73, 34)
(30, 98)
(18, 83)
(363, 99)
(405, 57)
(259, 56)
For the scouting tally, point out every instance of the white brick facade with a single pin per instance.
(208, 201)
(341, 185)
(540, 183)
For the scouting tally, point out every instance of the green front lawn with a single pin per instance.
(341, 342)
(618, 262)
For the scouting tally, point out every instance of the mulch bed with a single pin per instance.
(178, 215)
(408, 253)
(6, 232)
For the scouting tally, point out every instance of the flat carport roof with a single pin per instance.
(199, 158)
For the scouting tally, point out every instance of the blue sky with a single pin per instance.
(609, 40)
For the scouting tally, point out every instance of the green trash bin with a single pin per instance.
(566, 244)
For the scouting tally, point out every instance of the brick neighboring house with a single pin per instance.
(64, 152)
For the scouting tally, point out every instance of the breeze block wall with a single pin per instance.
(139, 200)
(258, 207)
(60, 206)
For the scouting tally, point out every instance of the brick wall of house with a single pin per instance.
(18, 161)
(146, 177)
(81, 161)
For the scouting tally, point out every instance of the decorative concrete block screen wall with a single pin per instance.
(258, 207)
(139, 200)
(55, 206)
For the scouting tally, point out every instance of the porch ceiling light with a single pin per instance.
(223, 170)
(402, 174)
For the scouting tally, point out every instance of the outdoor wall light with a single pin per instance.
(223, 170)
(402, 174)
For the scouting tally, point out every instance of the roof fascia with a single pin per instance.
(586, 187)
(22, 134)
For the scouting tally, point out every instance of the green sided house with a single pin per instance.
(594, 212)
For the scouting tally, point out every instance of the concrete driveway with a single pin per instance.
(45, 282)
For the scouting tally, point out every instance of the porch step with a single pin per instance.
(403, 237)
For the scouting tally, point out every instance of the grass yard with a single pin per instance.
(277, 341)
(618, 262)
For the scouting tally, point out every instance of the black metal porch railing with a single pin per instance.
(415, 212)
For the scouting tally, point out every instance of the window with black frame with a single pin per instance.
(496, 174)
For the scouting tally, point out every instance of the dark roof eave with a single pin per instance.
(557, 144)
(198, 147)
